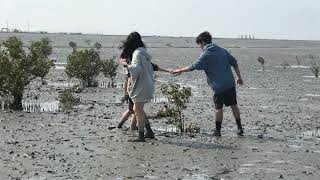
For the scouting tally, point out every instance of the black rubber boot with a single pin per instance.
(149, 133)
(139, 139)
(217, 132)
(240, 129)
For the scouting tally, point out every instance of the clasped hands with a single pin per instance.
(174, 72)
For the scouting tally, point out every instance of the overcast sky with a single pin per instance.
(280, 19)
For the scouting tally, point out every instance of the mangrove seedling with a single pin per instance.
(97, 46)
(262, 62)
(315, 69)
(193, 128)
(285, 64)
(298, 60)
(178, 97)
(67, 99)
(88, 41)
(73, 45)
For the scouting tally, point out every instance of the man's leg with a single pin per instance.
(218, 103)
(236, 114)
(219, 118)
(140, 115)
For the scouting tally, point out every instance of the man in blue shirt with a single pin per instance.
(216, 62)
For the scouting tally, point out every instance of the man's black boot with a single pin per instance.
(217, 132)
(240, 129)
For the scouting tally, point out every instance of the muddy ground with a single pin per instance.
(280, 111)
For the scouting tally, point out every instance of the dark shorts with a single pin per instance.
(227, 98)
(131, 104)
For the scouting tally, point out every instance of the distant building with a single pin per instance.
(5, 30)
(250, 37)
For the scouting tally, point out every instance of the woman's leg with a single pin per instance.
(149, 133)
(133, 126)
(124, 118)
(140, 115)
(126, 95)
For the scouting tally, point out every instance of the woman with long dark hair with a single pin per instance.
(141, 82)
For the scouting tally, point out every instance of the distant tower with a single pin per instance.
(28, 24)
(7, 24)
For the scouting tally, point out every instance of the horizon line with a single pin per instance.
(164, 36)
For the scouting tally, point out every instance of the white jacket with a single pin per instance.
(142, 88)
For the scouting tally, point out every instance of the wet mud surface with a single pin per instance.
(280, 111)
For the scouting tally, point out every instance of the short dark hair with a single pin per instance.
(204, 37)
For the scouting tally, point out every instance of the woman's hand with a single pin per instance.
(123, 62)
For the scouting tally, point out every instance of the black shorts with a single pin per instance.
(131, 104)
(227, 98)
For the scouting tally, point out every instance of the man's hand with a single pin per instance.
(122, 62)
(239, 81)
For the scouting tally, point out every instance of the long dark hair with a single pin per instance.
(132, 42)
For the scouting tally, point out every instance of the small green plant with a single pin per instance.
(18, 68)
(178, 98)
(77, 89)
(311, 56)
(315, 69)
(193, 128)
(68, 99)
(84, 65)
(262, 62)
(73, 45)
(163, 112)
(285, 64)
(97, 46)
(109, 69)
(169, 45)
(298, 60)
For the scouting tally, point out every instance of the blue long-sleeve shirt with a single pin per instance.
(216, 63)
